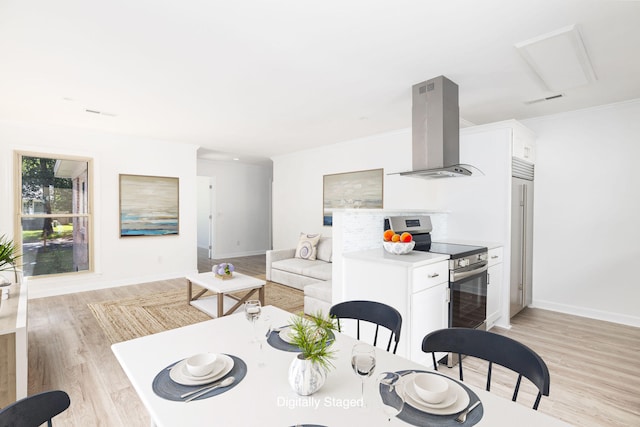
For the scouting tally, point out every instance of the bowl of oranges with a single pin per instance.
(398, 244)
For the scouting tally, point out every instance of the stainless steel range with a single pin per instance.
(467, 272)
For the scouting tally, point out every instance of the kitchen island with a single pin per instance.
(415, 284)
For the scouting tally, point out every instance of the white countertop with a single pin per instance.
(412, 259)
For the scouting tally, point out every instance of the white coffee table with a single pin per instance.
(214, 305)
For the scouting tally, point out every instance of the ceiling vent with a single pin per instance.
(559, 58)
(102, 113)
(547, 98)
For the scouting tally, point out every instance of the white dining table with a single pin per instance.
(264, 396)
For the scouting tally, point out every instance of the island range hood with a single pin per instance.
(435, 129)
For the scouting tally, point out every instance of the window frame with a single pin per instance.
(19, 215)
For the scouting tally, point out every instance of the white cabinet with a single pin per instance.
(429, 312)
(523, 147)
(494, 287)
(14, 347)
(418, 290)
(429, 275)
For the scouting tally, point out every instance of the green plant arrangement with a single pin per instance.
(8, 255)
(314, 336)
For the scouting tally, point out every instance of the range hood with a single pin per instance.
(436, 131)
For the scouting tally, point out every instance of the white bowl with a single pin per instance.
(398, 248)
(430, 388)
(201, 364)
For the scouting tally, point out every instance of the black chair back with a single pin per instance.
(373, 312)
(494, 348)
(35, 410)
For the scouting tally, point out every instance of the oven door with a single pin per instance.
(468, 307)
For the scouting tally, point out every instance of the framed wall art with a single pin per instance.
(148, 205)
(356, 190)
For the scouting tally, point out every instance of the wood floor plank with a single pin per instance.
(595, 375)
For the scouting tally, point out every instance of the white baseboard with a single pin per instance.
(238, 254)
(40, 288)
(588, 312)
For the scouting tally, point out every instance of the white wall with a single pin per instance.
(298, 178)
(118, 261)
(587, 204)
(242, 207)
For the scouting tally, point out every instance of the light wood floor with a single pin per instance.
(595, 375)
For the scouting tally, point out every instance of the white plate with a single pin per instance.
(449, 400)
(460, 403)
(286, 335)
(180, 375)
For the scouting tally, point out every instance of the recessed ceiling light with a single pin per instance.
(559, 58)
(236, 158)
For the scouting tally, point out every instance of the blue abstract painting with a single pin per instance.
(352, 190)
(148, 205)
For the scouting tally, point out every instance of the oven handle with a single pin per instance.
(463, 275)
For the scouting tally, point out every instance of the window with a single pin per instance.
(55, 219)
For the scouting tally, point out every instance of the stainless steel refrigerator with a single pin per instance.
(521, 235)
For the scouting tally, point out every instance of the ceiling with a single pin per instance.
(257, 78)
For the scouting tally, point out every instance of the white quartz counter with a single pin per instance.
(412, 259)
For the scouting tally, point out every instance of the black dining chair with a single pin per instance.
(493, 348)
(35, 410)
(373, 312)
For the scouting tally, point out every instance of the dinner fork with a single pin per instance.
(463, 415)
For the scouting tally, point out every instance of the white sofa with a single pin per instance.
(283, 267)
(317, 298)
(312, 276)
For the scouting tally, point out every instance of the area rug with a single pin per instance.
(129, 318)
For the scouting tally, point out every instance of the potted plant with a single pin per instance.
(314, 337)
(8, 256)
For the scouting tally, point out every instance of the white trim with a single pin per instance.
(588, 312)
(83, 285)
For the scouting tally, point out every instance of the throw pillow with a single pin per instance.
(324, 248)
(307, 246)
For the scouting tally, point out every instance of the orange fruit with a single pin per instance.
(406, 237)
(395, 238)
(388, 235)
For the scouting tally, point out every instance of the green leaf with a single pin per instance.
(312, 336)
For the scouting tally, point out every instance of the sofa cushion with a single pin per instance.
(295, 265)
(320, 271)
(320, 290)
(313, 305)
(315, 269)
(324, 249)
(307, 246)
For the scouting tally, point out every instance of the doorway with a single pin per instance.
(206, 209)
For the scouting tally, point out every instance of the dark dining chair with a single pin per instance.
(493, 348)
(373, 312)
(33, 411)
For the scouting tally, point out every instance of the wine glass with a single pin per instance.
(263, 332)
(252, 310)
(363, 362)
(391, 391)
